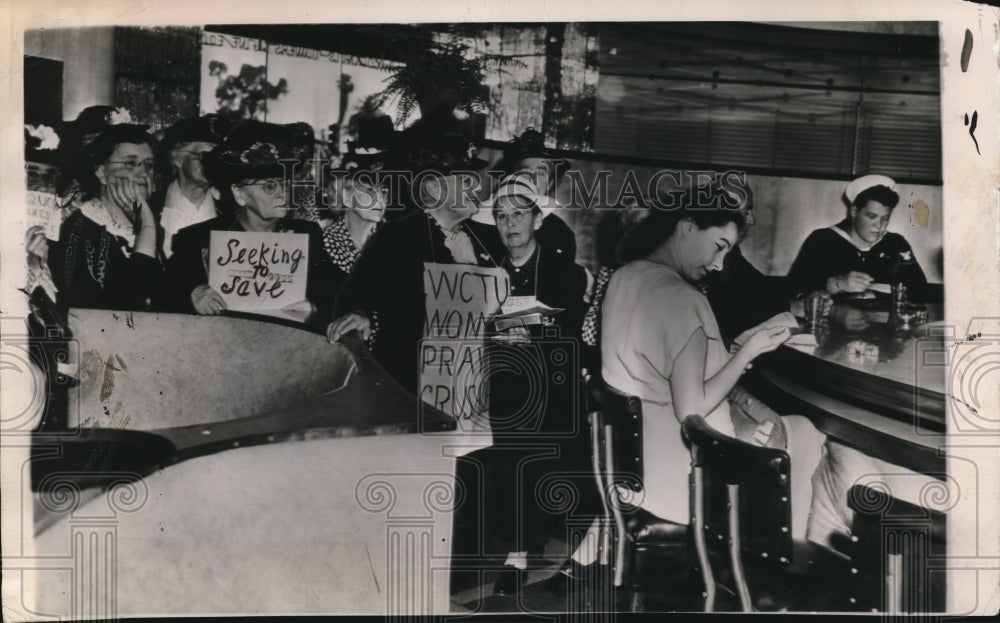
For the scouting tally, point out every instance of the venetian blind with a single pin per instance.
(771, 98)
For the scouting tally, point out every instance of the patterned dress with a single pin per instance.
(340, 247)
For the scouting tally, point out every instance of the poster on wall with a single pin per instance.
(234, 76)
(310, 78)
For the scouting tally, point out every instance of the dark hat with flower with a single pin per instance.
(91, 123)
(441, 142)
(252, 150)
(531, 144)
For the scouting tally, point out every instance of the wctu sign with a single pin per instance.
(461, 299)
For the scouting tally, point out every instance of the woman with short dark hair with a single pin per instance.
(847, 258)
(661, 343)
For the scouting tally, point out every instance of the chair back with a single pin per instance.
(624, 414)
(763, 480)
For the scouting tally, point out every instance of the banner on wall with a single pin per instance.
(310, 78)
(285, 84)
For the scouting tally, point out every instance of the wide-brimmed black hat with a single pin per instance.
(101, 146)
(442, 143)
(367, 160)
(91, 121)
(252, 150)
(531, 144)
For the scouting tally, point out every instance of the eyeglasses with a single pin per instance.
(271, 186)
(130, 165)
(513, 218)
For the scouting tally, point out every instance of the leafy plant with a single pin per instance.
(442, 73)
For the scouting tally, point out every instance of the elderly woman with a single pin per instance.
(361, 201)
(660, 341)
(526, 156)
(537, 274)
(255, 178)
(848, 257)
(107, 255)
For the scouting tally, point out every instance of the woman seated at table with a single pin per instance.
(108, 256)
(256, 180)
(660, 342)
(847, 258)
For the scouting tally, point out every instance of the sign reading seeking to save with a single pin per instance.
(256, 271)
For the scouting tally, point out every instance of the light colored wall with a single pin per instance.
(788, 209)
(88, 63)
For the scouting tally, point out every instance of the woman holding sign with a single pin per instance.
(107, 255)
(527, 424)
(247, 260)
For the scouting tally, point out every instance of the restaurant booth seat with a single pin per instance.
(198, 453)
(740, 510)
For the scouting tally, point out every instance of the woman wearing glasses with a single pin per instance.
(107, 254)
(254, 176)
(187, 197)
(533, 432)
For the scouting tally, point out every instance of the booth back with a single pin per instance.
(146, 371)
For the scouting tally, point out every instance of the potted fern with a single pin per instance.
(441, 77)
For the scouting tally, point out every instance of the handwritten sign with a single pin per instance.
(460, 300)
(256, 271)
(43, 210)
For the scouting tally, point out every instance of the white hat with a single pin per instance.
(518, 186)
(863, 183)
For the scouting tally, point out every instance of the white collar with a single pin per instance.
(846, 236)
(175, 200)
(97, 212)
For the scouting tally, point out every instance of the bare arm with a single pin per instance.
(693, 394)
